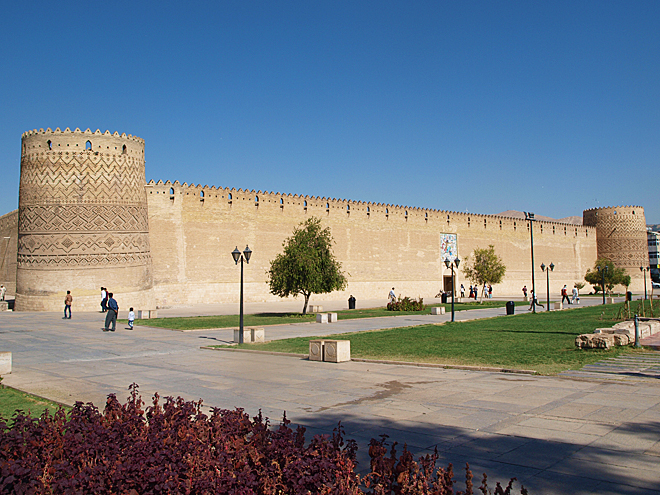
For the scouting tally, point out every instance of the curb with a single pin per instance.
(384, 361)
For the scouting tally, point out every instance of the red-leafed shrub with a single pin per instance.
(175, 448)
(406, 304)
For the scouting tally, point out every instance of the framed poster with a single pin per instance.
(448, 246)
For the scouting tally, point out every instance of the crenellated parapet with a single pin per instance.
(230, 198)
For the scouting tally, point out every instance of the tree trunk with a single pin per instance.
(306, 301)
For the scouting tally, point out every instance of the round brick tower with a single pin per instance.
(82, 220)
(621, 238)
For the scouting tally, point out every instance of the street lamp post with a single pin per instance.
(245, 255)
(449, 264)
(644, 269)
(602, 271)
(530, 216)
(547, 274)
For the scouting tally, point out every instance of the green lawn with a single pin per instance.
(544, 342)
(11, 400)
(264, 319)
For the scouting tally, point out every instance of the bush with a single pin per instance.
(406, 304)
(175, 448)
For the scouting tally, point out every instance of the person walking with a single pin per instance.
(111, 317)
(462, 291)
(535, 301)
(490, 291)
(392, 296)
(524, 289)
(67, 305)
(3, 291)
(564, 295)
(576, 296)
(131, 318)
(104, 300)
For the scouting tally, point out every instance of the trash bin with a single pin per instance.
(351, 302)
(443, 298)
(628, 296)
(510, 307)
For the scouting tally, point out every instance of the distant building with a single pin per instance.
(654, 242)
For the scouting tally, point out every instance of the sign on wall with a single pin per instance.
(448, 246)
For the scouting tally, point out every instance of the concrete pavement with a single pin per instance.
(556, 435)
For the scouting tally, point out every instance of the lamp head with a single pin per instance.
(542, 267)
(552, 266)
(457, 262)
(447, 262)
(247, 252)
(236, 254)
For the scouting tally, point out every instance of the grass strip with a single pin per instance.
(12, 400)
(544, 342)
(265, 319)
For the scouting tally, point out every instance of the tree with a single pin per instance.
(485, 268)
(307, 266)
(613, 275)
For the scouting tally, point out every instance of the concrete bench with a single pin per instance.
(251, 335)
(5, 363)
(558, 306)
(321, 318)
(315, 309)
(146, 314)
(316, 350)
(337, 351)
(438, 310)
(332, 317)
(4, 306)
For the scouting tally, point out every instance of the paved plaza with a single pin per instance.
(555, 434)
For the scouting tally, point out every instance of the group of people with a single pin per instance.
(575, 299)
(474, 291)
(109, 305)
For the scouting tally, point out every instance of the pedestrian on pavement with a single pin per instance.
(535, 301)
(3, 291)
(392, 296)
(576, 295)
(462, 291)
(104, 299)
(564, 295)
(524, 289)
(490, 291)
(67, 305)
(111, 317)
(131, 318)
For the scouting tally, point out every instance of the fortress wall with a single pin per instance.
(379, 245)
(8, 246)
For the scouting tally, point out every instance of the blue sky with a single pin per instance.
(551, 107)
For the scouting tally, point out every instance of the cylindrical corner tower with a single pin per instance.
(82, 220)
(621, 238)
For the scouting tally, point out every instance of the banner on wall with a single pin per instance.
(448, 246)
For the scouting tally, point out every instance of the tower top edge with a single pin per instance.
(78, 132)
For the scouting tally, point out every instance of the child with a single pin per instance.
(131, 318)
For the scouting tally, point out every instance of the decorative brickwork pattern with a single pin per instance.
(82, 205)
(621, 236)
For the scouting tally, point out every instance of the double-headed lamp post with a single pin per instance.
(449, 264)
(644, 269)
(245, 255)
(547, 274)
(602, 271)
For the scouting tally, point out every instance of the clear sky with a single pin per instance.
(550, 107)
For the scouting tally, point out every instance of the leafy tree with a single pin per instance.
(613, 275)
(485, 268)
(307, 266)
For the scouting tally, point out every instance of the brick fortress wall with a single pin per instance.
(621, 238)
(82, 219)
(193, 230)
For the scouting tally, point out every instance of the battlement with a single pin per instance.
(77, 142)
